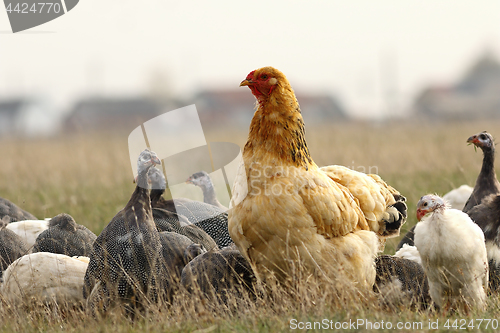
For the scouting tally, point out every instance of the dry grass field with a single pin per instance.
(90, 178)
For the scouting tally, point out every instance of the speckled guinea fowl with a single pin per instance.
(194, 211)
(219, 273)
(177, 252)
(166, 220)
(12, 246)
(399, 280)
(486, 182)
(125, 261)
(65, 236)
(203, 181)
(170, 221)
(487, 217)
(14, 213)
(217, 228)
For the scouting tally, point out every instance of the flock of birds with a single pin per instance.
(146, 246)
(451, 257)
(288, 218)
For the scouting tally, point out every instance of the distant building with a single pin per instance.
(27, 117)
(477, 95)
(318, 109)
(97, 114)
(236, 108)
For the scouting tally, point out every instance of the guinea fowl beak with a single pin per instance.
(155, 160)
(472, 139)
(246, 82)
(189, 180)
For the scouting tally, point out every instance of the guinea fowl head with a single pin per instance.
(483, 140)
(429, 203)
(200, 179)
(156, 179)
(263, 81)
(64, 221)
(146, 160)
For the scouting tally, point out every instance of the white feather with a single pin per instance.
(493, 251)
(409, 252)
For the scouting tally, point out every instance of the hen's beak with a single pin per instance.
(420, 213)
(246, 82)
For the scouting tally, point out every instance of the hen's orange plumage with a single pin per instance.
(288, 213)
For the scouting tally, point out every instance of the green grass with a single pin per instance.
(90, 178)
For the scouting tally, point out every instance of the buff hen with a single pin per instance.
(287, 214)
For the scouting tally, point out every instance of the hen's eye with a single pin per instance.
(425, 204)
(482, 136)
(264, 77)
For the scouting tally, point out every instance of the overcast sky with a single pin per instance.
(364, 51)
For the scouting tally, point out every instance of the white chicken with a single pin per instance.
(458, 196)
(45, 277)
(29, 229)
(453, 255)
(409, 252)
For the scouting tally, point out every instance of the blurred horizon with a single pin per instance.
(373, 59)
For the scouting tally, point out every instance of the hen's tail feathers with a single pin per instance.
(394, 217)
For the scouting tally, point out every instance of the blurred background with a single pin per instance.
(113, 64)
(389, 85)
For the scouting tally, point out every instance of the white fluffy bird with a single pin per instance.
(45, 277)
(453, 254)
(29, 229)
(409, 252)
(458, 197)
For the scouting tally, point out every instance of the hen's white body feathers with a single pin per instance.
(454, 257)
